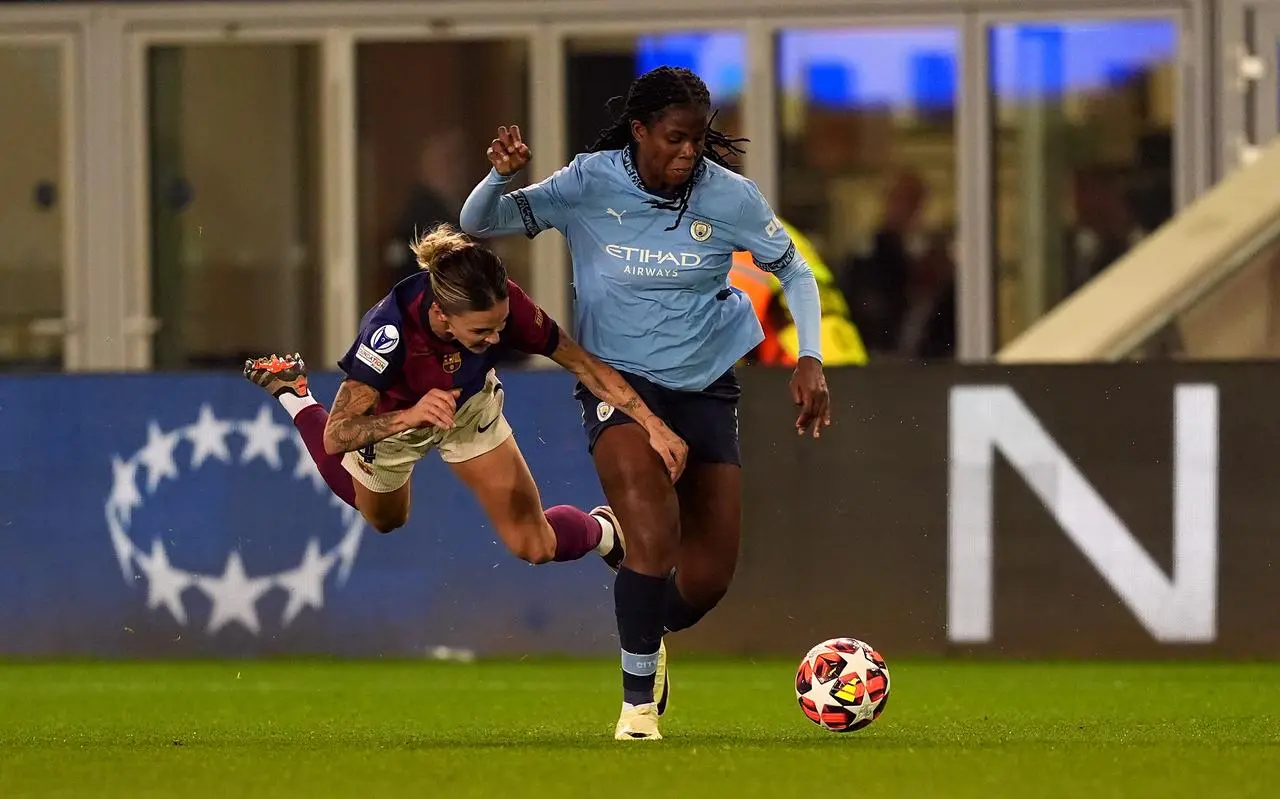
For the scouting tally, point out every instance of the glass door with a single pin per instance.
(233, 202)
(37, 307)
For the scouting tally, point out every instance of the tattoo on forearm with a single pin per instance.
(599, 378)
(352, 425)
(615, 391)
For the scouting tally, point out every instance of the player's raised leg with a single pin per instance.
(641, 494)
(503, 485)
(285, 378)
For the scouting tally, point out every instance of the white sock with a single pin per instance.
(294, 404)
(606, 535)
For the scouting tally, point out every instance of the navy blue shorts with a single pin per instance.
(707, 420)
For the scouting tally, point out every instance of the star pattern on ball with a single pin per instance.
(235, 592)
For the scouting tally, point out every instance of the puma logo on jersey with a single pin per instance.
(616, 214)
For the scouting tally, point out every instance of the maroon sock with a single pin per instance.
(310, 422)
(577, 533)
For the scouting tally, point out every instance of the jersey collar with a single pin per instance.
(629, 164)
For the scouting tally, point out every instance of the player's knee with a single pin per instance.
(655, 556)
(535, 550)
(653, 546)
(386, 522)
(533, 542)
(709, 595)
(705, 586)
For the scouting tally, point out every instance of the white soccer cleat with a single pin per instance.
(615, 547)
(638, 723)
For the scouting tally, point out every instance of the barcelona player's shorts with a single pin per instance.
(707, 420)
(479, 427)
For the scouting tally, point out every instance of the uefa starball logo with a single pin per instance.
(191, 453)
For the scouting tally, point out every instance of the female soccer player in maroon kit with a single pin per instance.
(420, 376)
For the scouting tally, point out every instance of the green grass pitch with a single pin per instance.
(543, 728)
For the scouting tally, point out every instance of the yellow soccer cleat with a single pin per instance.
(661, 685)
(638, 723)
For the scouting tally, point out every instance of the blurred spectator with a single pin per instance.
(1105, 227)
(928, 326)
(901, 294)
(436, 197)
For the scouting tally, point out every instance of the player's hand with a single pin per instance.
(508, 153)
(669, 446)
(436, 409)
(809, 391)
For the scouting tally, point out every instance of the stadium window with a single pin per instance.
(867, 140)
(425, 113)
(1082, 127)
(31, 222)
(599, 68)
(235, 233)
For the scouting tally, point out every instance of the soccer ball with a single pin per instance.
(842, 684)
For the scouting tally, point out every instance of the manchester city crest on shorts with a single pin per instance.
(451, 362)
(701, 231)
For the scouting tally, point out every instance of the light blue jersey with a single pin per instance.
(651, 301)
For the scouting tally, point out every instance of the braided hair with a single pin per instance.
(650, 96)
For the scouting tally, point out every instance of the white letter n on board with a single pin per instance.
(1181, 607)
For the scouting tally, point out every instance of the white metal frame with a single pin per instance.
(68, 40)
(1199, 94)
(1266, 37)
(1234, 40)
(1247, 114)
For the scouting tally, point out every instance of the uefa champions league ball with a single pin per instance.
(842, 685)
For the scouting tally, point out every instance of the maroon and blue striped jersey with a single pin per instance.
(397, 354)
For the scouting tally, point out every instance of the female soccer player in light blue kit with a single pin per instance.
(653, 216)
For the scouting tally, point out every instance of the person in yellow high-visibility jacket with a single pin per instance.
(841, 344)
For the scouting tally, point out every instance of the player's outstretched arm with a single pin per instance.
(353, 426)
(489, 212)
(603, 380)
